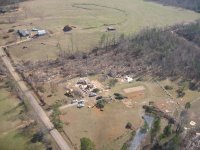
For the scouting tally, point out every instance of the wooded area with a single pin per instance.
(188, 4)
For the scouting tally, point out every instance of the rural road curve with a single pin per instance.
(34, 103)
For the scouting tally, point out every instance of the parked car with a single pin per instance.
(80, 105)
(92, 94)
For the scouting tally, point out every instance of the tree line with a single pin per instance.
(187, 4)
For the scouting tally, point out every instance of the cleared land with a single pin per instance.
(90, 20)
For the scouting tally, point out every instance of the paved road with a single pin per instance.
(34, 103)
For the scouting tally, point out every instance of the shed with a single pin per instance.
(23, 33)
(41, 32)
(111, 29)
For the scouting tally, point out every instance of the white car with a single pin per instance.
(80, 105)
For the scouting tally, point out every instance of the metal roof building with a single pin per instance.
(41, 32)
(23, 33)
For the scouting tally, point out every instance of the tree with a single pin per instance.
(173, 144)
(87, 144)
(100, 104)
(187, 105)
(167, 130)
(37, 137)
(145, 127)
(112, 82)
(129, 125)
(180, 92)
(155, 128)
(55, 116)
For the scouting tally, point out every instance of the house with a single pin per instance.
(41, 32)
(23, 33)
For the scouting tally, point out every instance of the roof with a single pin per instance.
(41, 32)
(111, 28)
(23, 32)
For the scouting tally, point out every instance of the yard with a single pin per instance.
(103, 127)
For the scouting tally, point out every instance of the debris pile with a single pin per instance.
(86, 86)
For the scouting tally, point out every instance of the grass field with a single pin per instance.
(91, 18)
(104, 127)
(10, 137)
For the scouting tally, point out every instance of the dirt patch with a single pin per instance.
(128, 103)
(134, 89)
(136, 95)
(166, 105)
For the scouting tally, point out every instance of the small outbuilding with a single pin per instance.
(23, 33)
(111, 29)
(41, 32)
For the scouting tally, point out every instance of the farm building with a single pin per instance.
(111, 29)
(41, 32)
(23, 33)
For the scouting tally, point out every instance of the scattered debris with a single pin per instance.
(85, 86)
(69, 93)
(167, 111)
(82, 81)
(186, 128)
(192, 123)
(128, 79)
